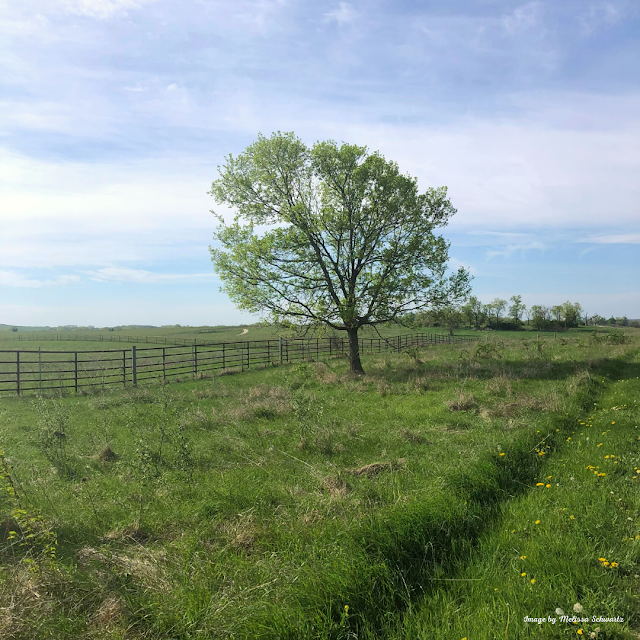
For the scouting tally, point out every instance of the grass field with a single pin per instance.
(100, 339)
(449, 493)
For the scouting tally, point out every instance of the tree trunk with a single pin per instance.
(354, 352)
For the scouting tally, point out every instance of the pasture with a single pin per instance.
(449, 493)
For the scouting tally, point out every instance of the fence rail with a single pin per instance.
(37, 371)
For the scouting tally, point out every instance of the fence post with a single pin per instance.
(40, 368)
(223, 358)
(18, 372)
(164, 365)
(195, 359)
(247, 354)
(124, 367)
(134, 368)
(280, 350)
(75, 370)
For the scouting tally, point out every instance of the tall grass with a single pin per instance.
(300, 502)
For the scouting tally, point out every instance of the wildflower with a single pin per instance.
(559, 612)
(540, 484)
(346, 609)
(523, 557)
(533, 580)
(579, 632)
(614, 564)
(502, 454)
(537, 521)
(549, 477)
(613, 423)
(548, 486)
(602, 559)
(572, 517)
(606, 564)
(542, 453)
(523, 574)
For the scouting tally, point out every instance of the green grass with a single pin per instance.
(258, 505)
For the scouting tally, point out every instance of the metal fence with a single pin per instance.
(37, 371)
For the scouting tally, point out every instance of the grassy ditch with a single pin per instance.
(566, 553)
(291, 502)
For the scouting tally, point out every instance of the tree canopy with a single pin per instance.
(331, 234)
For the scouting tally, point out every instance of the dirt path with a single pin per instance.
(243, 332)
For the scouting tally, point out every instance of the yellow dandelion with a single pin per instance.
(502, 454)
(533, 580)
(540, 484)
(548, 486)
(613, 423)
(579, 632)
(537, 521)
(523, 557)
(614, 564)
(602, 559)
(523, 574)
(605, 563)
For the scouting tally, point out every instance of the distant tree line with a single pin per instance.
(512, 316)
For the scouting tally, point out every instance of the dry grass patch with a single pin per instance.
(263, 401)
(241, 534)
(336, 487)
(414, 437)
(373, 469)
(419, 385)
(499, 386)
(109, 614)
(107, 455)
(324, 373)
(463, 402)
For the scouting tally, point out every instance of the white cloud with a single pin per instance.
(140, 276)
(344, 14)
(137, 88)
(605, 13)
(102, 9)
(513, 248)
(172, 87)
(623, 238)
(521, 18)
(13, 279)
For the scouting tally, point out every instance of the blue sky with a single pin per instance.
(115, 114)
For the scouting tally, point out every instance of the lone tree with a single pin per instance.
(331, 235)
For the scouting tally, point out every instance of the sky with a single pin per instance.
(115, 115)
